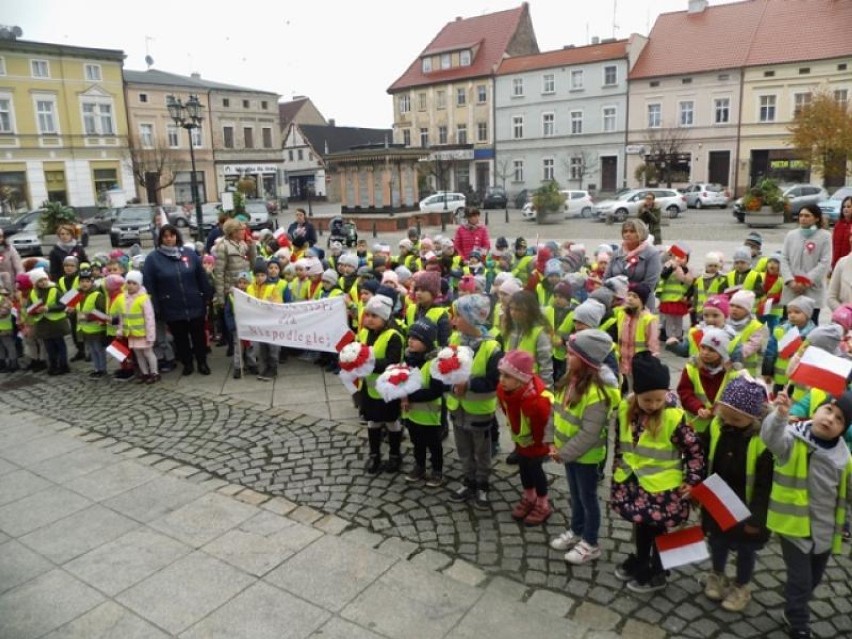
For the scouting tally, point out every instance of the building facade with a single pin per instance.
(562, 115)
(63, 131)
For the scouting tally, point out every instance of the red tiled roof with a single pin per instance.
(750, 33)
(573, 55)
(494, 31)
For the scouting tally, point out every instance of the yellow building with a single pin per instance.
(63, 125)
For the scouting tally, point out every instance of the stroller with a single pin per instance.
(339, 230)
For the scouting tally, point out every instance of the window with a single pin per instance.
(6, 119)
(228, 138)
(267, 137)
(424, 137)
(143, 98)
(686, 113)
(655, 116)
(547, 169)
(610, 75)
(427, 65)
(723, 77)
(264, 105)
(518, 166)
(841, 96)
(461, 134)
(40, 68)
(46, 112)
(548, 83)
(2, 66)
(517, 127)
(461, 96)
(146, 136)
(290, 155)
(609, 119)
(769, 74)
(518, 87)
(804, 70)
(226, 102)
(248, 137)
(576, 122)
(722, 110)
(686, 80)
(97, 118)
(464, 57)
(800, 100)
(300, 155)
(173, 136)
(577, 80)
(442, 134)
(841, 66)
(245, 104)
(404, 103)
(196, 136)
(654, 83)
(767, 108)
(441, 99)
(93, 72)
(481, 94)
(421, 98)
(548, 124)
(482, 131)
(104, 179)
(446, 61)
(406, 137)
(575, 168)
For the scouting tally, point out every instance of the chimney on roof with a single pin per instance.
(195, 75)
(697, 6)
(596, 40)
(459, 18)
(568, 46)
(331, 122)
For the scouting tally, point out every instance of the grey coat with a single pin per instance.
(810, 257)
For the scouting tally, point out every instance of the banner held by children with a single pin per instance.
(822, 370)
(316, 325)
(721, 502)
(682, 547)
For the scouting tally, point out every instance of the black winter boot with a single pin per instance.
(394, 462)
(374, 461)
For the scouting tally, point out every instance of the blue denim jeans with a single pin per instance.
(722, 545)
(585, 507)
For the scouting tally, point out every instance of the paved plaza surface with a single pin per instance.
(214, 507)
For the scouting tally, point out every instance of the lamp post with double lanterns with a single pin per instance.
(188, 116)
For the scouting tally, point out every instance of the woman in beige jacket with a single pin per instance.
(234, 253)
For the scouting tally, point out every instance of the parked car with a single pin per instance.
(521, 198)
(132, 225)
(627, 204)
(495, 198)
(23, 221)
(578, 204)
(798, 195)
(27, 241)
(831, 206)
(444, 201)
(100, 222)
(209, 218)
(179, 215)
(259, 216)
(706, 194)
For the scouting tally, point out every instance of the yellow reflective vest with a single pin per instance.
(567, 420)
(476, 403)
(654, 459)
(133, 316)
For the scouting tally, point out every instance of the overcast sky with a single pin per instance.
(342, 54)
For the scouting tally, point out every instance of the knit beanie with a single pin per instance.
(603, 295)
(563, 289)
(844, 403)
(135, 276)
(349, 259)
(329, 276)
(641, 290)
(718, 340)
(842, 316)
(590, 313)
(649, 374)
(755, 237)
(424, 330)
(403, 274)
(406, 244)
(517, 364)
(313, 266)
(592, 346)
(113, 283)
(720, 303)
(71, 259)
(259, 266)
(38, 274)
(380, 306)
(511, 286)
(552, 267)
(713, 258)
(827, 337)
(390, 293)
(618, 285)
(23, 282)
(743, 299)
(742, 254)
(370, 285)
(474, 309)
(803, 303)
(745, 395)
(428, 281)
(501, 277)
(244, 275)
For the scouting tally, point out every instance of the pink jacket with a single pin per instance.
(470, 237)
(147, 311)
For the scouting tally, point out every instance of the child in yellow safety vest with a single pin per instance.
(526, 402)
(739, 457)
(750, 336)
(775, 359)
(743, 277)
(673, 290)
(525, 328)
(51, 322)
(138, 325)
(713, 315)
(638, 330)
(808, 502)
(657, 461)
(92, 319)
(561, 313)
(770, 310)
(421, 410)
(8, 351)
(586, 399)
(710, 282)
(70, 280)
(262, 357)
(427, 291)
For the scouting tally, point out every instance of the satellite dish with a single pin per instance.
(149, 61)
(17, 32)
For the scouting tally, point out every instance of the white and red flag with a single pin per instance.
(822, 370)
(71, 298)
(789, 343)
(721, 502)
(118, 350)
(682, 547)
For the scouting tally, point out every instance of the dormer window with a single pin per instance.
(464, 58)
(427, 65)
(446, 61)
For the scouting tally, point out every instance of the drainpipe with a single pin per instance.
(739, 130)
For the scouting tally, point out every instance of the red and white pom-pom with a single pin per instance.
(357, 359)
(398, 381)
(453, 365)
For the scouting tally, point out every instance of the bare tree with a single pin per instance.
(155, 168)
(578, 165)
(503, 171)
(665, 148)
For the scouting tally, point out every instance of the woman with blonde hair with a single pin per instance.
(636, 258)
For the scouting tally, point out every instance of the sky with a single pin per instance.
(341, 54)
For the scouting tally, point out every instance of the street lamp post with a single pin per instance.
(188, 116)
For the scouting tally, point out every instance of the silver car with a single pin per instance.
(705, 194)
(627, 204)
(27, 241)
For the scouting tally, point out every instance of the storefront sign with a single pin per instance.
(251, 169)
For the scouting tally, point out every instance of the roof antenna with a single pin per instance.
(148, 59)
(614, 12)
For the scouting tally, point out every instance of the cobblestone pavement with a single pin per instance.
(317, 463)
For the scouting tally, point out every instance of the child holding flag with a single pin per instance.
(739, 457)
(51, 322)
(808, 502)
(91, 322)
(786, 339)
(138, 325)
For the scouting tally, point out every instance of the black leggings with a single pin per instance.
(427, 438)
(532, 474)
(190, 340)
(647, 555)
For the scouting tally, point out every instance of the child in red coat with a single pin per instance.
(526, 402)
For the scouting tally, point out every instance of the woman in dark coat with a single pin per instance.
(180, 290)
(636, 258)
(66, 246)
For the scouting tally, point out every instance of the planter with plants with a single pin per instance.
(548, 203)
(765, 204)
(53, 214)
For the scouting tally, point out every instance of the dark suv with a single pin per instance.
(495, 198)
(132, 224)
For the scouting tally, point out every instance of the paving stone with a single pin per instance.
(396, 547)
(279, 505)
(465, 573)
(431, 559)
(363, 537)
(305, 515)
(331, 524)
(552, 602)
(230, 490)
(639, 630)
(252, 497)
